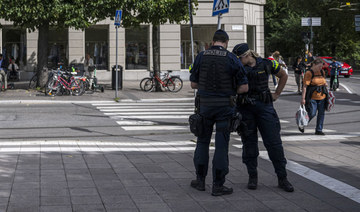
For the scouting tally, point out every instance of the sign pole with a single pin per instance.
(219, 21)
(117, 25)
(116, 65)
(191, 32)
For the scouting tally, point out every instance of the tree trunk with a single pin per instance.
(42, 54)
(156, 53)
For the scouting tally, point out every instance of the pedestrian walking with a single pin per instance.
(3, 74)
(259, 113)
(298, 67)
(218, 76)
(314, 95)
(334, 72)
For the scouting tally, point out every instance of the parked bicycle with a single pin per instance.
(64, 82)
(170, 83)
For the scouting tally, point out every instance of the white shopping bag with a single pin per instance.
(330, 101)
(302, 117)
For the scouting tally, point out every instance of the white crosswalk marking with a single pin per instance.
(150, 115)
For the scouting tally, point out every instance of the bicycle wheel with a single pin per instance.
(142, 82)
(52, 87)
(148, 85)
(174, 84)
(33, 82)
(77, 87)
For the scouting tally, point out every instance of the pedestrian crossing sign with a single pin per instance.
(118, 17)
(220, 7)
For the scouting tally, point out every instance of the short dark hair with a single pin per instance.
(334, 58)
(1, 55)
(220, 35)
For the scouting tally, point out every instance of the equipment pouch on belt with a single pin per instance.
(196, 124)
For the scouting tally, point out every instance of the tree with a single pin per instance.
(155, 12)
(41, 14)
(335, 37)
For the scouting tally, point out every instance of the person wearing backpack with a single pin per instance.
(314, 95)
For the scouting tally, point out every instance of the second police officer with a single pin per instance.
(218, 75)
(257, 110)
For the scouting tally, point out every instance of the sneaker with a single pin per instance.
(319, 133)
(302, 129)
(221, 190)
(285, 185)
(252, 183)
(198, 185)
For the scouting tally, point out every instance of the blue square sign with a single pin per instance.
(118, 17)
(220, 6)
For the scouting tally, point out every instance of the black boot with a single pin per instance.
(252, 183)
(198, 184)
(221, 190)
(285, 184)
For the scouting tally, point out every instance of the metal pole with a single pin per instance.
(116, 65)
(191, 33)
(311, 37)
(219, 21)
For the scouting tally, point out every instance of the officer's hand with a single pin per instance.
(275, 96)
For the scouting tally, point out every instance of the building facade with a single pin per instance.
(244, 23)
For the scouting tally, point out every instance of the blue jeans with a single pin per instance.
(221, 117)
(262, 116)
(319, 107)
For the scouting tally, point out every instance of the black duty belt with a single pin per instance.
(217, 101)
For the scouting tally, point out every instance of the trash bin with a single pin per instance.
(113, 77)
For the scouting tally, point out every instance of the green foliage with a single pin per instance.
(335, 37)
(155, 12)
(79, 14)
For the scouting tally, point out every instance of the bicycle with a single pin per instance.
(63, 81)
(170, 83)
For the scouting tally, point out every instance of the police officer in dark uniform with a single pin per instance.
(258, 113)
(218, 75)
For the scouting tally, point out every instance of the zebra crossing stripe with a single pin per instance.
(149, 113)
(155, 127)
(147, 104)
(126, 123)
(131, 109)
(321, 179)
(151, 117)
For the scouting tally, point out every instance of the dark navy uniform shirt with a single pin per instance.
(234, 67)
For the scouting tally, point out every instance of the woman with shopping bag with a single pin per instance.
(314, 95)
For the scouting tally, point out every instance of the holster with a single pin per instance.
(196, 120)
(235, 122)
(196, 124)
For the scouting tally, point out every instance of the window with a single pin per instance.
(251, 36)
(137, 47)
(58, 47)
(97, 45)
(203, 35)
(14, 45)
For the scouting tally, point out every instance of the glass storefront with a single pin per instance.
(97, 45)
(14, 45)
(203, 35)
(137, 47)
(58, 47)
